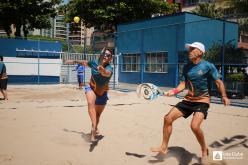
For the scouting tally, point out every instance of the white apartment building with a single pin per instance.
(60, 29)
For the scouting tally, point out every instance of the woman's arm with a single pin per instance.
(104, 72)
(82, 62)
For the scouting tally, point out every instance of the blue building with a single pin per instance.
(10, 47)
(30, 61)
(152, 50)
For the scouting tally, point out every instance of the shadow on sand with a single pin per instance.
(86, 137)
(183, 156)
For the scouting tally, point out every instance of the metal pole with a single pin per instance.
(142, 58)
(84, 57)
(114, 60)
(38, 62)
(93, 38)
(68, 48)
(223, 49)
(67, 37)
(177, 58)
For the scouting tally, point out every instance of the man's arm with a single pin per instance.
(222, 91)
(82, 62)
(176, 90)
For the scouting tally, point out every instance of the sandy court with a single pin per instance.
(49, 125)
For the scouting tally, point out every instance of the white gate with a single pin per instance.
(69, 74)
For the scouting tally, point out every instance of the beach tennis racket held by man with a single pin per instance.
(149, 91)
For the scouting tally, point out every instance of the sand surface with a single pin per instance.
(49, 125)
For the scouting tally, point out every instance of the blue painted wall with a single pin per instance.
(8, 46)
(208, 31)
(22, 79)
(152, 35)
(167, 33)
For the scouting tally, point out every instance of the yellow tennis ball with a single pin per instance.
(76, 19)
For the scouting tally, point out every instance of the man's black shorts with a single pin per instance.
(3, 84)
(187, 108)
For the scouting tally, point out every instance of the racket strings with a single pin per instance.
(148, 91)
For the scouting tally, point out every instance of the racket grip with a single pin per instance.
(165, 94)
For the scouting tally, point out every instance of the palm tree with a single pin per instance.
(208, 10)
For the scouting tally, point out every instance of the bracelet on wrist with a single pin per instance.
(175, 91)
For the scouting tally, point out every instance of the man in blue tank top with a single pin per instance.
(80, 75)
(196, 76)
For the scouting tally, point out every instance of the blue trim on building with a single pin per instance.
(8, 46)
(23, 79)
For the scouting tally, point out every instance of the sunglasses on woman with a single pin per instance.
(107, 55)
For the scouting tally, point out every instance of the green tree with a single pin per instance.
(241, 6)
(232, 55)
(234, 9)
(240, 9)
(213, 53)
(106, 14)
(26, 14)
(236, 6)
(218, 9)
(208, 10)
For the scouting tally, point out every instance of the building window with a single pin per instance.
(131, 62)
(156, 62)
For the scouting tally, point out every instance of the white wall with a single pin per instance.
(29, 66)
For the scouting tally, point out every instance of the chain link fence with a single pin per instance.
(140, 63)
(69, 74)
(158, 58)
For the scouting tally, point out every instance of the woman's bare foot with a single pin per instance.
(159, 149)
(92, 135)
(205, 152)
(97, 131)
